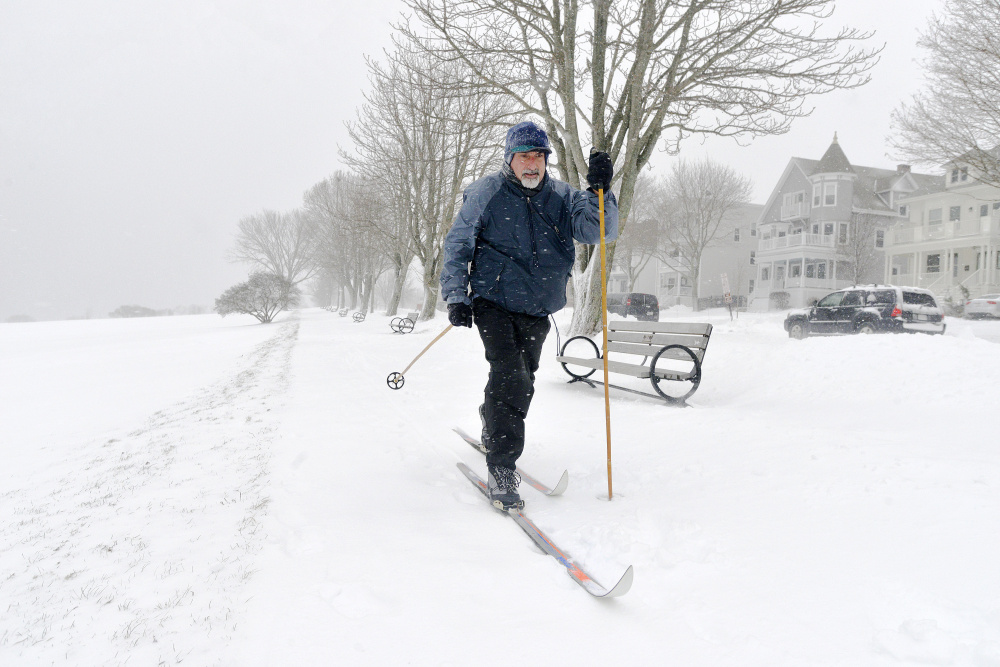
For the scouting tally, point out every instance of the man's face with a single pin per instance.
(529, 168)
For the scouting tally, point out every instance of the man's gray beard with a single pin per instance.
(531, 183)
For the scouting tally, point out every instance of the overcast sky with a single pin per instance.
(134, 135)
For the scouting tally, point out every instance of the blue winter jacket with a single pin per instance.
(520, 246)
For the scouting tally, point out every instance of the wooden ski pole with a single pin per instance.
(604, 331)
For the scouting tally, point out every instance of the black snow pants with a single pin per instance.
(513, 343)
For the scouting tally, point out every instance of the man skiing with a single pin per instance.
(507, 260)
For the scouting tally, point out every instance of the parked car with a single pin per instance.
(642, 306)
(987, 305)
(869, 309)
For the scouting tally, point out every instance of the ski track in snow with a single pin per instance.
(160, 540)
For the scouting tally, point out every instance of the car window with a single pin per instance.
(882, 297)
(851, 299)
(919, 299)
(831, 300)
(990, 296)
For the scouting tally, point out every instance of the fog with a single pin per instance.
(133, 136)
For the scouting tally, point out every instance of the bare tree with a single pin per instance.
(627, 74)
(351, 248)
(264, 295)
(639, 242)
(957, 118)
(694, 200)
(864, 260)
(440, 135)
(280, 243)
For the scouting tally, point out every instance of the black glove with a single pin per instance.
(600, 171)
(460, 314)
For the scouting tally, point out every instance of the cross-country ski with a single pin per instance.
(575, 572)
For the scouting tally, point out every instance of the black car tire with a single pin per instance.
(798, 329)
(865, 327)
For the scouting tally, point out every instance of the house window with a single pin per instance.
(904, 210)
(829, 194)
(934, 216)
(780, 234)
(795, 270)
(842, 236)
(736, 234)
(815, 228)
(954, 175)
(984, 210)
(753, 257)
(954, 265)
(821, 270)
(817, 194)
(879, 238)
(954, 213)
(810, 270)
(753, 229)
(684, 282)
(965, 173)
(665, 280)
(828, 229)
(765, 273)
(751, 286)
(996, 205)
(934, 263)
(671, 282)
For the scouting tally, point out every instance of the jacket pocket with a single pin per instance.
(486, 273)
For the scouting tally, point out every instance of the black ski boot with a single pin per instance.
(484, 438)
(502, 484)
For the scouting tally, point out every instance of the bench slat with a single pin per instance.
(696, 328)
(658, 340)
(651, 350)
(635, 370)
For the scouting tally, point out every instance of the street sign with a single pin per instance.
(725, 289)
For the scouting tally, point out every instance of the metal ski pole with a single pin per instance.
(395, 380)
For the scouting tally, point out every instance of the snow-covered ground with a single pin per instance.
(205, 491)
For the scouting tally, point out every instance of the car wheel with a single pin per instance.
(865, 328)
(798, 330)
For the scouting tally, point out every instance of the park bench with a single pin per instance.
(404, 325)
(675, 351)
(358, 316)
(342, 312)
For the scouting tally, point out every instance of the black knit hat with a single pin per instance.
(524, 137)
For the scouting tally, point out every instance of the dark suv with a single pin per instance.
(642, 306)
(868, 309)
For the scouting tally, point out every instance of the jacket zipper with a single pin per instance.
(531, 232)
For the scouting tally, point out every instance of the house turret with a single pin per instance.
(832, 185)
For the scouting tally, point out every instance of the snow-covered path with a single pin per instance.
(826, 502)
(137, 548)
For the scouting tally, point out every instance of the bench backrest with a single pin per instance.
(413, 316)
(647, 338)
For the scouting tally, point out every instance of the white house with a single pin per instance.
(949, 237)
(732, 253)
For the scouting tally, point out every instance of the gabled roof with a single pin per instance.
(834, 161)
(872, 185)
